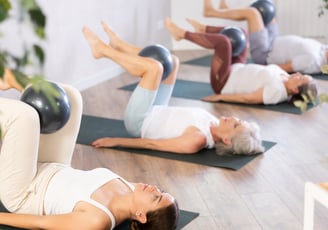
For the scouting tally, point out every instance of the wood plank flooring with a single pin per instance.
(266, 194)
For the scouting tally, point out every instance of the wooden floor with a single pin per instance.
(266, 194)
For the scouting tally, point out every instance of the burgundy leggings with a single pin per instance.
(222, 58)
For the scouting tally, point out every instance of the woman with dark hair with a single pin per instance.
(41, 190)
(291, 52)
(233, 80)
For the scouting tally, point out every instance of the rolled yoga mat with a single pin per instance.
(93, 127)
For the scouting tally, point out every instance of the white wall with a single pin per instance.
(68, 57)
(301, 17)
(182, 9)
(295, 17)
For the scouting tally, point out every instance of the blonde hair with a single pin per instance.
(307, 93)
(247, 142)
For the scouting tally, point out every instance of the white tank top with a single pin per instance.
(169, 122)
(247, 78)
(70, 186)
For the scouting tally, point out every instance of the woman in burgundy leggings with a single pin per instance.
(234, 80)
(209, 37)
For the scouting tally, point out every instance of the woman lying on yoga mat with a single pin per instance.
(292, 53)
(160, 127)
(233, 80)
(42, 191)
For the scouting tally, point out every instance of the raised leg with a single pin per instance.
(149, 70)
(59, 146)
(118, 43)
(198, 27)
(249, 14)
(20, 130)
(221, 61)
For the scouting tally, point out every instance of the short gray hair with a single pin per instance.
(247, 142)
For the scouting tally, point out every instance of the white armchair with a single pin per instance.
(313, 192)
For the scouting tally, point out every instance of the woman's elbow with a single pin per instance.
(193, 148)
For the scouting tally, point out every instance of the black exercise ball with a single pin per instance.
(161, 54)
(237, 39)
(266, 9)
(52, 118)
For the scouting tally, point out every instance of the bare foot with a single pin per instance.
(4, 85)
(208, 9)
(198, 27)
(324, 185)
(95, 43)
(175, 31)
(114, 39)
(8, 81)
(223, 5)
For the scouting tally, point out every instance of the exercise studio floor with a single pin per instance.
(266, 193)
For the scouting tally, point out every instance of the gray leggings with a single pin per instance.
(261, 43)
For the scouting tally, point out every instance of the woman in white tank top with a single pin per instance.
(160, 127)
(245, 83)
(291, 52)
(43, 195)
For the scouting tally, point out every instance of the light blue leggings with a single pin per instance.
(141, 103)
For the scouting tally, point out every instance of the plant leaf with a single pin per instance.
(323, 98)
(324, 68)
(5, 6)
(39, 21)
(39, 84)
(39, 53)
(302, 105)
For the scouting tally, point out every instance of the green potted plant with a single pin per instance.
(30, 15)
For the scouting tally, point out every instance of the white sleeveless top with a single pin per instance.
(306, 54)
(170, 121)
(247, 78)
(70, 186)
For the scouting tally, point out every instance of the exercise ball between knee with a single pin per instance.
(267, 10)
(52, 116)
(237, 39)
(161, 54)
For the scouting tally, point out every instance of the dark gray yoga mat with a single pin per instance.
(320, 76)
(185, 218)
(197, 90)
(93, 127)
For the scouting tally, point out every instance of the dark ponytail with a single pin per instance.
(162, 219)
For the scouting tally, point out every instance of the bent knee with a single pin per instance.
(176, 61)
(155, 69)
(24, 111)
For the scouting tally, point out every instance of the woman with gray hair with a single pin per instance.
(154, 124)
